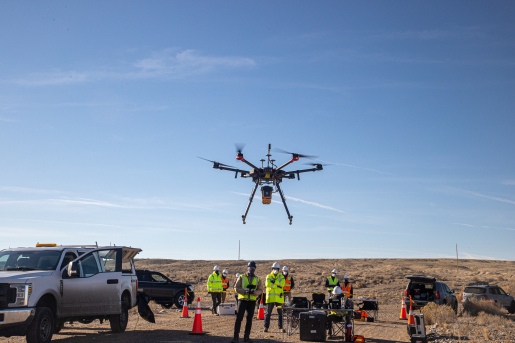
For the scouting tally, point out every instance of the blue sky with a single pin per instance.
(104, 107)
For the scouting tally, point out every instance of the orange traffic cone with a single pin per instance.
(261, 312)
(411, 319)
(197, 323)
(403, 310)
(185, 313)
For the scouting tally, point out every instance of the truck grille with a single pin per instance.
(7, 295)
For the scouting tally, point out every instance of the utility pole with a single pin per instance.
(239, 248)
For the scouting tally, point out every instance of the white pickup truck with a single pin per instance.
(41, 288)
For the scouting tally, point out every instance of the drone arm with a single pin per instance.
(284, 202)
(250, 202)
(230, 169)
(319, 167)
(247, 162)
(290, 161)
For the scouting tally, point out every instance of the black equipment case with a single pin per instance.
(313, 326)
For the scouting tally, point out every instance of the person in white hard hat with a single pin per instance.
(214, 286)
(288, 284)
(274, 296)
(225, 284)
(335, 303)
(332, 281)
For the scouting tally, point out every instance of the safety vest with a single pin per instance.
(245, 284)
(274, 291)
(346, 289)
(214, 283)
(224, 283)
(332, 282)
(287, 284)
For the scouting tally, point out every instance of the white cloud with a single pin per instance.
(351, 166)
(466, 255)
(169, 63)
(314, 204)
(489, 197)
(464, 224)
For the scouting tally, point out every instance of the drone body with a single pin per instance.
(267, 177)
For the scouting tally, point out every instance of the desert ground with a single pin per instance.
(381, 278)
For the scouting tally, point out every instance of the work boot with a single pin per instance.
(265, 330)
(235, 339)
(246, 339)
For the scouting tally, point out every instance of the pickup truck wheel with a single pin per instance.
(58, 326)
(42, 327)
(119, 322)
(511, 309)
(179, 300)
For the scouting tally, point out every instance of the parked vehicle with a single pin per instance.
(425, 289)
(41, 288)
(484, 291)
(163, 290)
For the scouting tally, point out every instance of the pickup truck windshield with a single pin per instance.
(29, 260)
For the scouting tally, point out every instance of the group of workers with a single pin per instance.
(278, 288)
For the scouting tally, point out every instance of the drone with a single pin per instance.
(266, 176)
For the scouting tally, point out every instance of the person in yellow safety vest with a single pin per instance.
(214, 286)
(274, 296)
(348, 291)
(288, 284)
(225, 284)
(248, 286)
(332, 281)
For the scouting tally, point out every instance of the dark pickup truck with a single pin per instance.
(163, 290)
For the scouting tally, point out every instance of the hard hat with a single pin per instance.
(346, 277)
(286, 269)
(216, 268)
(252, 264)
(334, 271)
(225, 271)
(337, 290)
(275, 266)
(237, 275)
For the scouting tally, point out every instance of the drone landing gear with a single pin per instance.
(250, 202)
(284, 202)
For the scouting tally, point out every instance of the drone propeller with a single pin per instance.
(239, 147)
(291, 153)
(319, 164)
(205, 159)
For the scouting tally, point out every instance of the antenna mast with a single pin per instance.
(268, 155)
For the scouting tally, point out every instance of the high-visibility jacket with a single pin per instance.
(274, 291)
(214, 283)
(346, 289)
(287, 283)
(245, 283)
(224, 283)
(333, 281)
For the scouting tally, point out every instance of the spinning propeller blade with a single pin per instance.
(291, 153)
(316, 164)
(225, 165)
(239, 147)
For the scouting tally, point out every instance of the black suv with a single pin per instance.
(163, 290)
(425, 289)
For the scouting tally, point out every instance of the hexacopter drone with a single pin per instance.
(264, 176)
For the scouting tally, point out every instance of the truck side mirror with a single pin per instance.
(452, 291)
(72, 270)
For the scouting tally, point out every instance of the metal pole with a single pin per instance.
(239, 249)
(457, 260)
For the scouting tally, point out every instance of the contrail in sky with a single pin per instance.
(351, 166)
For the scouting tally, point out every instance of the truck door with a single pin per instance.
(82, 296)
(111, 269)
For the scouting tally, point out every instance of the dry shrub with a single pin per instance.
(360, 284)
(292, 271)
(488, 319)
(473, 307)
(510, 288)
(438, 314)
(485, 334)
(301, 277)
